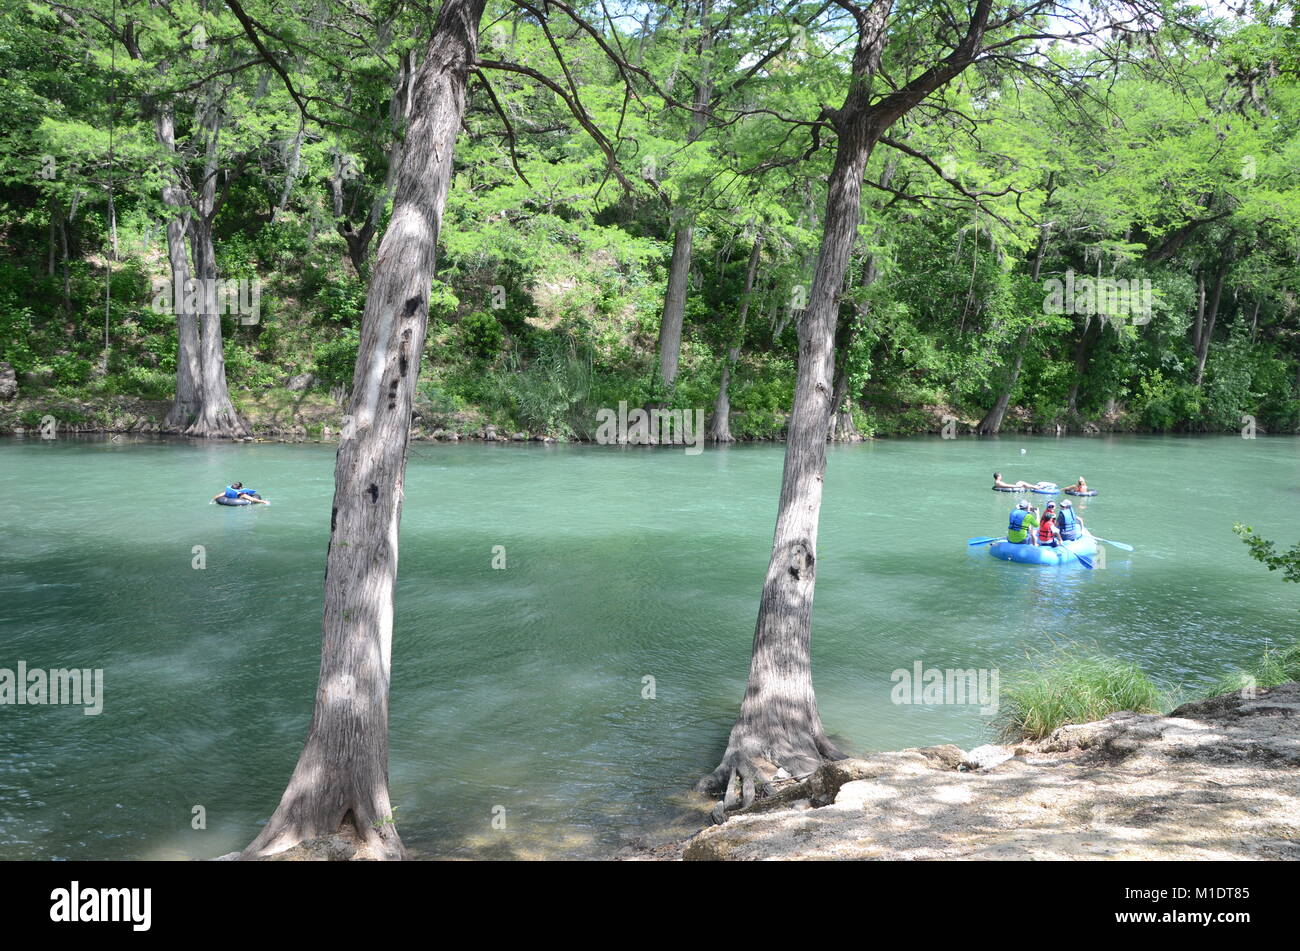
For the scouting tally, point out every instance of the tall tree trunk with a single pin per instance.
(1200, 314)
(679, 267)
(779, 725)
(991, 424)
(1081, 351)
(290, 174)
(340, 784)
(720, 424)
(843, 428)
(216, 417)
(187, 401)
(1203, 345)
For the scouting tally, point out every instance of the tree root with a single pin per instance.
(748, 772)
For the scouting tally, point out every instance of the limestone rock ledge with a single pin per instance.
(1215, 779)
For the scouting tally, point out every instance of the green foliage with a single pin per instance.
(1265, 552)
(335, 357)
(551, 392)
(144, 382)
(1164, 405)
(16, 333)
(481, 334)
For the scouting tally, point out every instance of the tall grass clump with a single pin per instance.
(1073, 687)
(1275, 667)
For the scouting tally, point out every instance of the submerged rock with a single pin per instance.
(1216, 779)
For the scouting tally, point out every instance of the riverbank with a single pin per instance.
(1214, 779)
(287, 415)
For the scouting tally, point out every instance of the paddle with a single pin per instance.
(1084, 560)
(988, 538)
(1120, 545)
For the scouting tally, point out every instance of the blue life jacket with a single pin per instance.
(1069, 525)
(1017, 519)
(236, 493)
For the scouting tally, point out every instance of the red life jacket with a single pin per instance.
(1045, 528)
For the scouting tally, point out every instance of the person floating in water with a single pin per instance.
(1049, 536)
(236, 490)
(1024, 519)
(999, 484)
(1079, 488)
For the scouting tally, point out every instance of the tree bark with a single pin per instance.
(720, 424)
(187, 401)
(216, 416)
(843, 428)
(991, 424)
(1203, 344)
(670, 325)
(679, 267)
(340, 784)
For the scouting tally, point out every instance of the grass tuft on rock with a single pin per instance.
(1072, 687)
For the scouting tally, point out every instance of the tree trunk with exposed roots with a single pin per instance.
(216, 417)
(779, 726)
(340, 785)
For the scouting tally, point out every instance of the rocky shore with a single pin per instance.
(1215, 779)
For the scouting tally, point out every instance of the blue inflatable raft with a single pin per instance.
(1042, 555)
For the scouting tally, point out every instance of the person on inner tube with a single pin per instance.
(1024, 519)
(1049, 536)
(1069, 523)
(999, 484)
(236, 490)
(1080, 487)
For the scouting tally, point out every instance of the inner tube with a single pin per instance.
(1073, 492)
(1027, 554)
(1008, 488)
(225, 501)
(1048, 490)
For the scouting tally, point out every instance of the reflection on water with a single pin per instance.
(518, 693)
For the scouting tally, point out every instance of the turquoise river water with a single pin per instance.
(522, 688)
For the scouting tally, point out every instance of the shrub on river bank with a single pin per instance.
(1073, 687)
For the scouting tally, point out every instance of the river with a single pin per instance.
(519, 692)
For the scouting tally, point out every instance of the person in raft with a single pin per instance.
(1080, 487)
(999, 484)
(1024, 519)
(236, 490)
(1049, 536)
(1069, 523)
